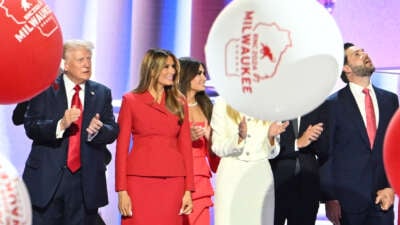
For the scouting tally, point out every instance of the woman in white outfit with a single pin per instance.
(244, 192)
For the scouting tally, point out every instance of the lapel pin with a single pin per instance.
(55, 86)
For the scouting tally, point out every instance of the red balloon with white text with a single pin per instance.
(31, 49)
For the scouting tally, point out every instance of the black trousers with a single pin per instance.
(372, 216)
(67, 206)
(296, 193)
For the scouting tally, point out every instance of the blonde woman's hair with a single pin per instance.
(236, 117)
(233, 114)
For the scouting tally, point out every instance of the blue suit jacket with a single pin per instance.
(354, 172)
(44, 166)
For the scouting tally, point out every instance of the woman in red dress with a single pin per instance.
(192, 84)
(154, 175)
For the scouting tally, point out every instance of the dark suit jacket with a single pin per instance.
(354, 172)
(19, 112)
(44, 166)
(310, 157)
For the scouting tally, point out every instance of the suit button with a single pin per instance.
(247, 153)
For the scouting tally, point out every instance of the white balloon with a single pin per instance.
(15, 205)
(274, 60)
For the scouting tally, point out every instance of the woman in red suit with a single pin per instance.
(192, 84)
(154, 177)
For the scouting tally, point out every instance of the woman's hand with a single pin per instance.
(196, 132)
(124, 203)
(187, 204)
(385, 197)
(242, 129)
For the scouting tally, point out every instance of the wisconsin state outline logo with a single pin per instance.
(30, 15)
(257, 54)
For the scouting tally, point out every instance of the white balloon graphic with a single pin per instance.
(274, 60)
(15, 205)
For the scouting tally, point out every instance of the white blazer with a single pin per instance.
(225, 124)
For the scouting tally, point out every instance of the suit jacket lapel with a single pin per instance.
(90, 100)
(354, 113)
(59, 94)
(382, 113)
(149, 100)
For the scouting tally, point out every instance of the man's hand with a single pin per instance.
(276, 128)
(95, 125)
(311, 134)
(70, 115)
(333, 211)
(385, 197)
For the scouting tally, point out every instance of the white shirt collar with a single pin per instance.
(358, 89)
(69, 85)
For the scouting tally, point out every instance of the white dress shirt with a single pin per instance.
(70, 91)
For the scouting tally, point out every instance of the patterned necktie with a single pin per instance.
(370, 115)
(74, 149)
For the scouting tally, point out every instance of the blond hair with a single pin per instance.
(71, 45)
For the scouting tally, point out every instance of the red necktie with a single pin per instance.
(370, 114)
(74, 149)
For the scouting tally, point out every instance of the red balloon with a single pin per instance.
(391, 152)
(30, 49)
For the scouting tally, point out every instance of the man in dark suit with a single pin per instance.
(67, 185)
(296, 169)
(354, 182)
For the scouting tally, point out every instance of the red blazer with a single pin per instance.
(161, 147)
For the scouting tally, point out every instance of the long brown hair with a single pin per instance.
(190, 69)
(153, 62)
